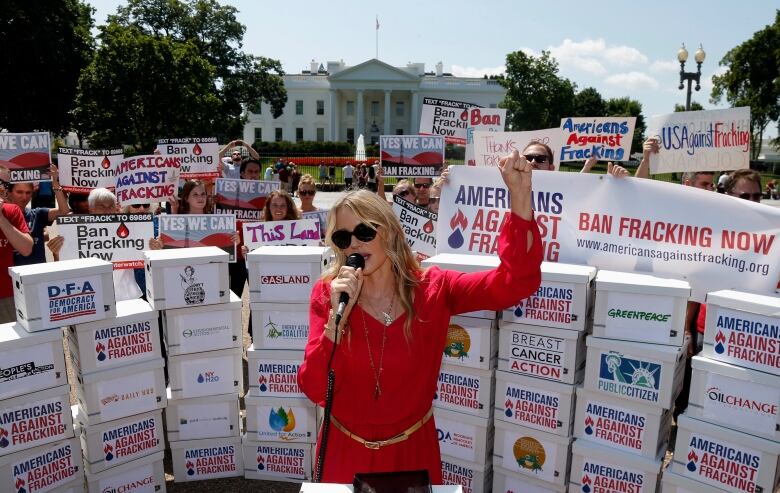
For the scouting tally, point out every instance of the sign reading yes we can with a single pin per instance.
(26, 155)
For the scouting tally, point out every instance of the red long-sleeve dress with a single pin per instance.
(410, 370)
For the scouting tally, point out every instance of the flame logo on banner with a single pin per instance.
(457, 222)
(122, 231)
(108, 449)
(720, 339)
(3, 438)
(692, 460)
(190, 468)
(589, 425)
(586, 483)
(260, 463)
(197, 150)
(508, 410)
(105, 163)
(20, 486)
(99, 349)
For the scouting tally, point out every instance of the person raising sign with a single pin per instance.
(389, 345)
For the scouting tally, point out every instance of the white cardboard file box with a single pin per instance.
(208, 373)
(471, 342)
(534, 403)
(646, 373)
(30, 361)
(285, 273)
(724, 458)
(743, 329)
(61, 293)
(43, 468)
(131, 337)
(120, 441)
(280, 325)
(36, 419)
(532, 453)
(563, 300)
(465, 390)
(621, 424)
(672, 482)
(275, 461)
(734, 397)
(508, 482)
(203, 328)
(472, 477)
(464, 437)
(271, 419)
(141, 475)
(194, 460)
(640, 308)
(603, 468)
(213, 416)
(121, 392)
(543, 352)
(182, 277)
(466, 263)
(274, 373)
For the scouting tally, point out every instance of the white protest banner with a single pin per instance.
(117, 238)
(411, 155)
(26, 155)
(199, 155)
(607, 138)
(419, 225)
(482, 120)
(244, 198)
(295, 232)
(82, 170)
(490, 147)
(145, 179)
(321, 216)
(199, 230)
(712, 140)
(446, 118)
(712, 240)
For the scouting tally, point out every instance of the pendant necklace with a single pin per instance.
(387, 316)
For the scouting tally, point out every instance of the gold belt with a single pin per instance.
(376, 445)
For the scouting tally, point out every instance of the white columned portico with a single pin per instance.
(414, 125)
(361, 117)
(387, 113)
(333, 133)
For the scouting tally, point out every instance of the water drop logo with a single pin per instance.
(200, 378)
(122, 231)
(190, 468)
(109, 451)
(262, 383)
(586, 483)
(20, 486)
(3, 438)
(428, 227)
(519, 310)
(282, 421)
(692, 461)
(588, 425)
(260, 462)
(197, 150)
(508, 408)
(720, 339)
(105, 163)
(458, 222)
(100, 350)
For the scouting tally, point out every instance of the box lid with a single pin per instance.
(502, 427)
(658, 351)
(462, 464)
(462, 263)
(253, 400)
(278, 253)
(208, 442)
(127, 466)
(195, 256)
(204, 399)
(737, 372)
(64, 269)
(13, 336)
(540, 330)
(762, 304)
(280, 307)
(37, 396)
(460, 417)
(130, 310)
(294, 354)
(684, 483)
(722, 433)
(610, 455)
(553, 271)
(613, 401)
(533, 383)
(97, 376)
(631, 282)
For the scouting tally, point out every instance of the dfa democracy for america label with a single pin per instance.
(70, 301)
(278, 378)
(123, 343)
(210, 462)
(33, 423)
(132, 440)
(551, 304)
(629, 377)
(614, 426)
(531, 407)
(46, 470)
(284, 461)
(746, 339)
(597, 478)
(722, 464)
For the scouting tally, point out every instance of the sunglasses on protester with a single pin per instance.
(404, 193)
(141, 206)
(536, 158)
(755, 197)
(422, 185)
(343, 238)
(305, 193)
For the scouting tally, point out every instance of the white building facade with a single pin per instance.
(339, 103)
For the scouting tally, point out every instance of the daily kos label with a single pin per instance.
(126, 396)
(204, 331)
(210, 462)
(722, 464)
(285, 281)
(629, 377)
(531, 407)
(458, 439)
(211, 419)
(746, 339)
(278, 378)
(597, 476)
(640, 317)
(208, 376)
(29, 367)
(32, 424)
(138, 480)
(284, 461)
(552, 305)
(131, 440)
(284, 329)
(530, 455)
(752, 406)
(464, 346)
(191, 284)
(283, 423)
(49, 469)
(615, 426)
(123, 344)
(71, 301)
(537, 356)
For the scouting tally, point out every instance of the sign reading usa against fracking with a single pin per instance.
(82, 170)
(145, 179)
(711, 240)
(411, 155)
(26, 155)
(712, 140)
(117, 238)
(490, 147)
(199, 155)
(608, 138)
(446, 118)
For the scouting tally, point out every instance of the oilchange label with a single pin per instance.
(531, 407)
(530, 455)
(722, 464)
(602, 477)
(537, 356)
(46, 470)
(458, 439)
(282, 461)
(32, 424)
(614, 426)
(208, 462)
(283, 423)
(139, 480)
(71, 301)
(27, 368)
(123, 343)
(126, 396)
(130, 440)
(747, 339)
(278, 378)
(551, 305)
(629, 377)
(754, 407)
(639, 317)
(285, 330)
(461, 392)
(452, 473)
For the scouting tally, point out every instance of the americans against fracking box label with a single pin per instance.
(452, 473)
(131, 440)
(532, 407)
(552, 303)
(285, 329)
(47, 470)
(537, 356)
(530, 455)
(208, 462)
(629, 377)
(597, 477)
(208, 376)
(71, 301)
(124, 344)
(458, 391)
(615, 426)
(126, 396)
(278, 378)
(747, 339)
(32, 424)
(639, 317)
(279, 423)
(457, 439)
(721, 464)
(728, 400)
(282, 461)
(211, 419)
(27, 368)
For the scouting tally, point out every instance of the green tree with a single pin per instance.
(589, 102)
(695, 106)
(45, 45)
(629, 107)
(536, 96)
(753, 79)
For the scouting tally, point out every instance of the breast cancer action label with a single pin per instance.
(126, 396)
(629, 377)
(45, 471)
(138, 480)
(551, 305)
(459, 391)
(280, 424)
(71, 301)
(123, 344)
(614, 426)
(209, 462)
(463, 346)
(452, 473)
(747, 339)
(458, 439)
(27, 368)
(200, 332)
(531, 407)
(537, 356)
(641, 317)
(530, 455)
(753, 406)
(32, 424)
(599, 477)
(285, 330)
(278, 378)
(722, 464)
(282, 461)
(131, 440)
(208, 376)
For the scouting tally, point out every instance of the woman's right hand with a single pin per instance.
(349, 280)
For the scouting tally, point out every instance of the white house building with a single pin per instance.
(339, 103)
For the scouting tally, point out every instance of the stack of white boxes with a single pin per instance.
(38, 449)
(634, 372)
(121, 394)
(729, 437)
(202, 321)
(281, 421)
(541, 359)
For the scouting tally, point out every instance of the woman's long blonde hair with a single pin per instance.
(375, 212)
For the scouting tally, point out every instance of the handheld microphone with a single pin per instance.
(356, 261)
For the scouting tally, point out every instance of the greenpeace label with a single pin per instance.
(49, 469)
(747, 339)
(26, 368)
(209, 461)
(123, 343)
(82, 170)
(208, 376)
(628, 377)
(552, 304)
(126, 396)
(721, 464)
(458, 475)
(598, 477)
(534, 408)
(278, 378)
(117, 238)
(280, 424)
(32, 424)
(198, 156)
(283, 461)
(130, 441)
(751, 405)
(138, 480)
(640, 317)
(71, 301)
(458, 439)
(616, 426)
(537, 356)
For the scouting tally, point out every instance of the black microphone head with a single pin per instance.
(356, 261)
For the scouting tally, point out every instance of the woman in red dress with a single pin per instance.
(391, 339)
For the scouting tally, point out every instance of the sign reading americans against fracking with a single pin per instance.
(145, 179)
(411, 155)
(607, 138)
(82, 170)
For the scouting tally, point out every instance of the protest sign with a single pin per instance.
(607, 138)
(82, 170)
(26, 155)
(419, 225)
(446, 118)
(295, 232)
(146, 179)
(321, 216)
(490, 147)
(117, 238)
(199, 155)
(199, 230)
(711, 240)
(411, 155)
(483, 120)
(244, 198)
(713, 140)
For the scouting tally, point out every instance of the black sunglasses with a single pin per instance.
(422, 185)
(536, 158)
(404, 193)
(141, 206)
(304, 193)
(755, 197)
(343, 238)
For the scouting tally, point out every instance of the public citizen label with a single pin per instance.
(537, 356)
(614, 426)
(629, 377)
(532, 407)
(746, 339)
(32, 424)
(725, 465)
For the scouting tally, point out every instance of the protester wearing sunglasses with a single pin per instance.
(422, 187)
(307, 189)
(745, 184)
(405, 190)
(389, 345)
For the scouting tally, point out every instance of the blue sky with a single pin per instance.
(620, 47)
